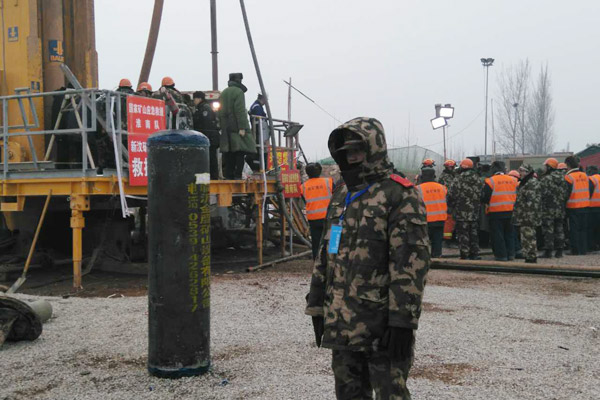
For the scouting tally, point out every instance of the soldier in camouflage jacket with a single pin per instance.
(365, 297)
(527, 214)
(464, 199)
(554, 192)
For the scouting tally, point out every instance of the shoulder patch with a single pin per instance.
(403, 181)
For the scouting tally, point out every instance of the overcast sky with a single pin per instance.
(388, 59)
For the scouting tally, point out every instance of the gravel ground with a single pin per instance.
(481, 336)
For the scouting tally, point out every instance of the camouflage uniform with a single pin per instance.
(553, 194)
(375, 282)
(447, 177)
(527, 213)
(184, 118)
(464, 200)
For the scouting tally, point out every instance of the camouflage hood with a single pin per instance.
(376, 165)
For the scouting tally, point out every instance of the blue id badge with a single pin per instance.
(334, 239)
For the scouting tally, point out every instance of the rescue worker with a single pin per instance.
(428, 163)
(434, 197)
(205, 122)
(515, 174)
(594, 209)
(464, 201)
(500, 194)
(257, 110)
(368, 280)
(167, 87)
(317, 193)
(527, 212)
(553, 192)
(181, 115)
(448, 175)
(446, 178)
(577, 205)
(126, 88)
(144, 89)
(237, 139)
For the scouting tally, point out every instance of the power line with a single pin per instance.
(312, 101)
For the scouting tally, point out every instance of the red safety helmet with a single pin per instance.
(125, 83)
(428, 162)
(562, 165)
(144, 86)
(466, 163)
(514, 173)
(551, 162)
(450, 163)
(167, 81)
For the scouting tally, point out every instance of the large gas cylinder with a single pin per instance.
(179, 254)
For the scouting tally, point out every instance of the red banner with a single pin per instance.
(144, 117)
(282, 158)
(291, 181)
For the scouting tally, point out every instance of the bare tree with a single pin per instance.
(540, 116)
(512, 128)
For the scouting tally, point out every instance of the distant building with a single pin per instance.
(590, 156)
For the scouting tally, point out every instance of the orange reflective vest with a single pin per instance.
(580, 190)
(434, 197)
(317, 194)
(504, 193)
(595, 199)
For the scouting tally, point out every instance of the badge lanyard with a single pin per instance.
(336, 229)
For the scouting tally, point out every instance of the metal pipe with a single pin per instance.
(515, 270)
(213, 44)
(270, 119)
(271, 263)
(152, 39)
(499, 265)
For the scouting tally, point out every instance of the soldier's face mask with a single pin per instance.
(355, 156)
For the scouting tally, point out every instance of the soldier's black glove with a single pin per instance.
(319, 327)
(398, 342)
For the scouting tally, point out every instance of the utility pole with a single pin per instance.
(487, 63)
(213, 44)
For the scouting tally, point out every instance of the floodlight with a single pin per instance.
(447, 111)
(216, 105)
(292, 130)
(438, 122)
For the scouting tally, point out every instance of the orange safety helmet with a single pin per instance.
(167, 81)
(450, 163)
(551, 162)
(125, 83)
(144, 86)
(562, 165)
(466, 163)
(514, 173)
(428, 162)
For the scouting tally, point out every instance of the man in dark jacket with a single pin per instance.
(259, 124)
(237, 139)
(205, 122)
(368, 280)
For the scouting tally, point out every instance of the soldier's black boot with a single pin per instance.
(474, 257)
(559, 253)
(531, 260)
(547, 254)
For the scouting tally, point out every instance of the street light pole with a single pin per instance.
(487, 63)
(515, 105)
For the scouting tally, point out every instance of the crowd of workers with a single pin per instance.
(519, 208)
(228, 129)
(553, 209)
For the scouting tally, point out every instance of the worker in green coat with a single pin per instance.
(237, 138)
